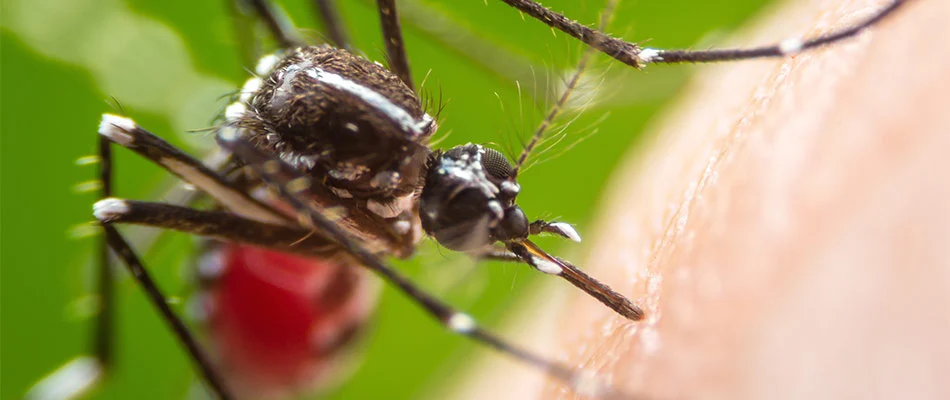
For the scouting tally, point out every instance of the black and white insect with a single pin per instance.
(330, 159)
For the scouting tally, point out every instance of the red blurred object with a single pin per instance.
(280, 324)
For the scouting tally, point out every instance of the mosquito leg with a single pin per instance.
(244, 22)
(277, 23)
(103, 336)
(392, 35)
(159, 300)
(221, 225)
(638, 57)
(126, 133)
(552, 113)
(784, 48)
(330, 16)
(571, 84)
(81, 374)
(292, 188)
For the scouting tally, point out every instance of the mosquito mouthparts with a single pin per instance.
(548, 267)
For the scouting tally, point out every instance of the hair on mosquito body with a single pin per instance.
(331, 171)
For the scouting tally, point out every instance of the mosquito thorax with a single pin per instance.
(468, 200)
(347, 121)
(353, 126)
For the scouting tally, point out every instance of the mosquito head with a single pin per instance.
(468, 199)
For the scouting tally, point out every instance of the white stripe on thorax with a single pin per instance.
(395, 113)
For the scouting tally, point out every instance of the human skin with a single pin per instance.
(787, 231)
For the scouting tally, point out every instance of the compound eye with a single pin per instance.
(496, 164)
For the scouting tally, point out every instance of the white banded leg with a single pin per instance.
(392, 36)
(221, 225)
(639, 57)
(332, 23)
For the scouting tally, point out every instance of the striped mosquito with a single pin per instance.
(330, 168)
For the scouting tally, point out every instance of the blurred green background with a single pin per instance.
(169, 63)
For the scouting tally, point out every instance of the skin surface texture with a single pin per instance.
(788, 231)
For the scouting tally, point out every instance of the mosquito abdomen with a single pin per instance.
(280, 324)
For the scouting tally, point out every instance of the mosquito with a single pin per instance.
(330, 168)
